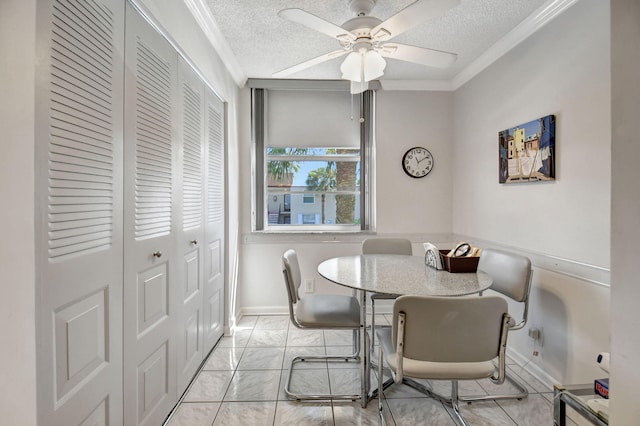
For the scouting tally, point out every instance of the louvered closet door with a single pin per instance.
(190, 233)
(150, 220)
(79, 204)
(215, 220)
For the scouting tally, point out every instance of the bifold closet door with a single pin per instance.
(190, 232)
(150, 219)
(214, 260)
(78, 130)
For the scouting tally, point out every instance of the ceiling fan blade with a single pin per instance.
(311, 62)
(412, 15)
(418, 55)
(316, 23)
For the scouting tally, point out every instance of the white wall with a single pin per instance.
(563, 69)
(405, 120)
(17, 251)
(625, 207)
(415, 208)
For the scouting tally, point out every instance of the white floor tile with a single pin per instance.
(267, 358)
(254, 386)
(246, 413)
(289, 413)
(210, 386)
(272, 322)
(224, 358)
(243, 382)
(195, 414)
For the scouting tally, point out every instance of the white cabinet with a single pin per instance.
(130, 228)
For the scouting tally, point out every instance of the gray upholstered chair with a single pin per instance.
(445, 338)
(319, 311)
(383, 246)
(511, 275)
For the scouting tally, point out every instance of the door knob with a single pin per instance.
(194, 242)
(157, 254)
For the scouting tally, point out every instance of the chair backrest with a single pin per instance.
(452, 329)
(511, 275)
(511, 272)
(292, 276)
(387, 246)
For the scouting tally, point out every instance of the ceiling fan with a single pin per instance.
(366, 38)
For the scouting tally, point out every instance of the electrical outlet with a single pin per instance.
(308, 286)
(534, 333)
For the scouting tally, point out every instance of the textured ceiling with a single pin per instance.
(264, 43)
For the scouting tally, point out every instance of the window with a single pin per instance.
(323, 185)
(309, 219)
(313, 163)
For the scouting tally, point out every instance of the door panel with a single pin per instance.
(78, 198)
(215, 221)
(190, 235)
(149, 221)
(152, 297)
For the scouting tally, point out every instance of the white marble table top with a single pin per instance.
(399, 275)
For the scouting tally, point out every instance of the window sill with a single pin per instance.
(312, 237)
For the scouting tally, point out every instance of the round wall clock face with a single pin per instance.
(417, 162)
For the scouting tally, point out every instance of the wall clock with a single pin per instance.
(417, 162)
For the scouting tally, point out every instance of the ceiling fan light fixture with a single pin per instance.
(363, 66)
(351, 67)
(374, 65)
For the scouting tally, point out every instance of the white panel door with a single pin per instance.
(190, 233)
(214, 258)
(79, 204)
(149, 224)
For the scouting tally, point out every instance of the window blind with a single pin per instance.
(312, 118)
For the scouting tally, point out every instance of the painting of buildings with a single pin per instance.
(527, 151)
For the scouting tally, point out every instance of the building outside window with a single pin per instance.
(323, 186)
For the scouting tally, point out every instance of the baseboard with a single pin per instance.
(262, 310)
(535, 370)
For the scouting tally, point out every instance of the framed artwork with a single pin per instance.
(527, 152)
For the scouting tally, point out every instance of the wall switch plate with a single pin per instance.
(308, 286)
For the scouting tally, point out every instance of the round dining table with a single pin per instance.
(395, 275)
(399, 275)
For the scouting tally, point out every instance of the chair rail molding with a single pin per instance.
(592, 274)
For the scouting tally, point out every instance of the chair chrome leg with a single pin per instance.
(355, 356)
(373, 323)
(380, 389)
(454, 404)
(523, 392)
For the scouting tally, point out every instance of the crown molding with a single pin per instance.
(207, 23)
(427, 85)
(521, 32)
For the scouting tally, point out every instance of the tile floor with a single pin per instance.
(243, 379)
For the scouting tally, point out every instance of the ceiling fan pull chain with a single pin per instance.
(351, 96)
